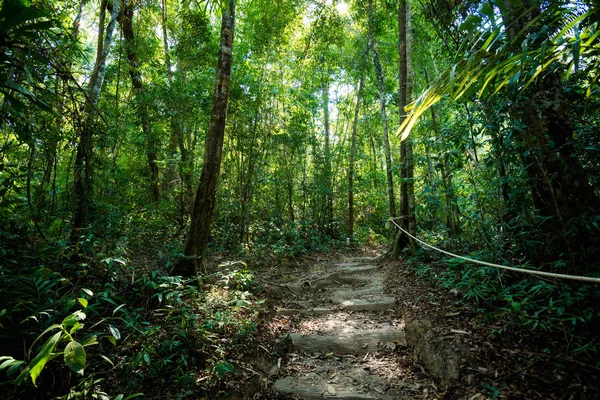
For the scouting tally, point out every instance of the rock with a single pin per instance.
(440, 358)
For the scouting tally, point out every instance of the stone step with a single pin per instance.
(374, 303)
(310, 311)
(350, 341)
(359, 269)
(303, 387)
(343, 294)
(329, 379)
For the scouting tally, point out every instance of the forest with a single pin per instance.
(299, 199)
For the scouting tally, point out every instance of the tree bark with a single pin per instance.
(407, 189)
(328, 170)
(352, 156)
(204, 206)
(126, 21)
(382, 105)
(82, 173)
(177, 138)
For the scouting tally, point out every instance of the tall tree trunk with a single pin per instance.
(126, 21)
(82, 173)
(352, 156)
(204, 206)
(177, 138)
(328, 170)
(382, 105)
(407, 186)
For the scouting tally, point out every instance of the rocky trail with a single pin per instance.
(351, 328)
(345, 336)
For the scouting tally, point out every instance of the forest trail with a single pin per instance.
(344, 337)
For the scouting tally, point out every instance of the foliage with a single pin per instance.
(135, 326)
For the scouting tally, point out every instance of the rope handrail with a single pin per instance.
(525, 271)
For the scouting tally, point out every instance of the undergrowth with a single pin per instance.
(561, 309)
(102, 327)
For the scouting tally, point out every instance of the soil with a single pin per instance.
(352, 328)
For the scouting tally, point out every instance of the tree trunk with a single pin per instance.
(407, 187)
(352, 156)
(381, 88)
(328, 171)
(82, 173)
(204, 206)
(177, 138)
(126, 21)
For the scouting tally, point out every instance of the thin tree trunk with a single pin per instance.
(407, 189)
(177, 139)
(382, 105)
(352, 156)
(82, 173)
(204, 206)
(328, 169)
(126, 21)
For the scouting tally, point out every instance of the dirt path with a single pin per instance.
(345, 336)
(351, 329)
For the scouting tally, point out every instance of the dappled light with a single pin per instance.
(299, 199)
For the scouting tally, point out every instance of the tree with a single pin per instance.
(82, 174)
(126, 21)
(204, 205)
(407, 188)
(384, 118)
(352, 157)
(531, 64)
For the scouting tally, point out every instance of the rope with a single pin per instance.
(525, 271)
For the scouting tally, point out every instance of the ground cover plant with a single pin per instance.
(173, 172)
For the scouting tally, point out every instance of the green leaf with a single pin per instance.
(11, 364)
(108, 360)
(83, 302)
(115, 332)
(73, 318)
(77, 326)
(88, 292)
(488, 10)
(470, 23)
(37, 364)
(92, 340)
(75, 357)
(133, 396)
(223, 368)
(112, 340)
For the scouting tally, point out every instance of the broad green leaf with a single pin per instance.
(92, 340)
(73, 318)
(83, 302)
(470, 23)
(50, 328)
(37, 364)
(115, 332)
(88, 292)
(112, 340)
(77, 326)
(75, 357)
(488, 10)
